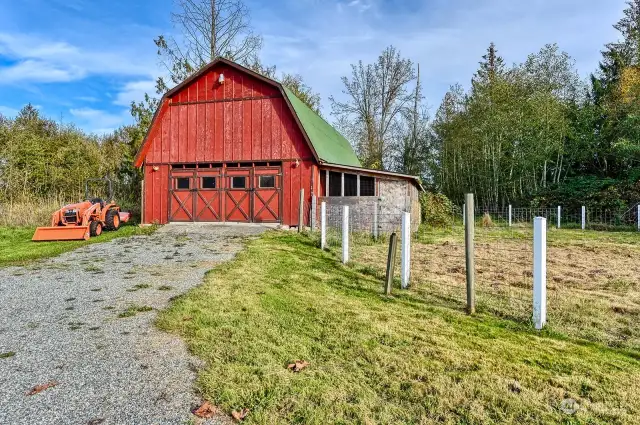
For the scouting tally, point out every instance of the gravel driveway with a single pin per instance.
(83, 321)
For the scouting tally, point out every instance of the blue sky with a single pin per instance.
(84, 61)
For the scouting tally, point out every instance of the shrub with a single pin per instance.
(437, 210)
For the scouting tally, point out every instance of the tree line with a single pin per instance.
(530, 134)
(44, 159)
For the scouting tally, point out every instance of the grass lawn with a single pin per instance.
(403, 359)
(16, 246)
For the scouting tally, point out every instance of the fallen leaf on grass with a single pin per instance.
(239, 416)
(187, 318)
(39, 388)
(298, 365)
(206, 410)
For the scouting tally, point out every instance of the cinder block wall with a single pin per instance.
(394, 198)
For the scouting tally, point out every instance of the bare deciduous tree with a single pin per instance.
(377, 93)
(293, 82)
(207, 29)
(413, 138)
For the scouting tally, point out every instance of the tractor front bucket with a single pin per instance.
(61, 233)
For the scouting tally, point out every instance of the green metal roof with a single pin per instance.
(330, 145)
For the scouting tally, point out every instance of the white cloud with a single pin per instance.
(90, 99)
(447, 37)
(134, 91)
(37, 59)
(99, 121)
(360, 5)
(8, 112)
(39, 72)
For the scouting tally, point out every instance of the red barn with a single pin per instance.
(230, 145)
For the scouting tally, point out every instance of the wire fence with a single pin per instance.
(591, 274)
(625, 219)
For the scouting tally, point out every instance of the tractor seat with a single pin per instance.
(97, 201)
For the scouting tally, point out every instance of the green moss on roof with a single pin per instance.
(330, 145)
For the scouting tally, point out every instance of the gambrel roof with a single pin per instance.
(327, 144)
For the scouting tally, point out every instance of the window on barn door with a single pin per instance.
(208, 183)
(183, 183)
(238, 182)
(267, 181)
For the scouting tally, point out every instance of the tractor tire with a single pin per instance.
(95, 228)
(112, 220)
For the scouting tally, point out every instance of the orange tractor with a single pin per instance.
(84, 219)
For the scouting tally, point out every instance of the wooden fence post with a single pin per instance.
(539, 272)
(345, 234)
(464, 214)
(391, 262)
(469, 252)
(312, 212)
(142, 201)
(301, 211)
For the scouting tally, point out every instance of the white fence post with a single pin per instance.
(638, 215)
(584, 217)
(539, 272)
(323, 225)
(345, 234)
(405, 254)
(509, 215)
(559, 215)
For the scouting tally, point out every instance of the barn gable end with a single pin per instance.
(243, 119)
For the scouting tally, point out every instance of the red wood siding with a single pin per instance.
(243, 120)
(295, 178)
(156, 194)
(249, 121)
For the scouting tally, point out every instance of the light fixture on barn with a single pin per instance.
(297, 164)
(221, 79)
(156, 168)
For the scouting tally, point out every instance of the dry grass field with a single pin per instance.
(593, 278)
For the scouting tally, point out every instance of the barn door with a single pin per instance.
(237, 199)
(267, 193)
(208, 198)
(181, 190)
